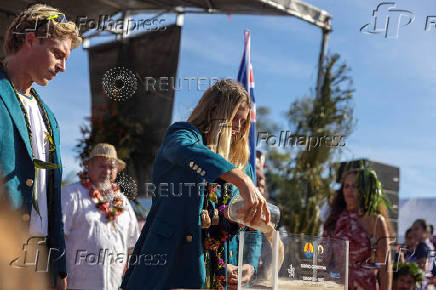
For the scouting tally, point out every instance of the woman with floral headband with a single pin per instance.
(187, 224)
(358, 215)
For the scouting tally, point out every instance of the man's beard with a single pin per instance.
(104, 185)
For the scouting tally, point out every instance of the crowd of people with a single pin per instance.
(89, 227)
(89, 230)
(419, 249)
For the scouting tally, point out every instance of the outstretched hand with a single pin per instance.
(255, 205)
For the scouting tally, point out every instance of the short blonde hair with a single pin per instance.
(224, 98)
(28, 20)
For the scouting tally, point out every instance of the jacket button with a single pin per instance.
(29, 182)
(25, 217)
(189, 239)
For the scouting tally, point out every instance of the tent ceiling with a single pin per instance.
(93, 9)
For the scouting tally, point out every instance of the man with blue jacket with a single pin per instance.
(37, 45)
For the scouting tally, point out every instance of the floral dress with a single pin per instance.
(216, 237)
(362, 275)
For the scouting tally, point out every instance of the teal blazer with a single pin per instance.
(169, 252)
(17, 167)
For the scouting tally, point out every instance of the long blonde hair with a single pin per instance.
(213, 116)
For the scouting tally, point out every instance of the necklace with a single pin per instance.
(109, 204)
(41, 107)
(52, 148)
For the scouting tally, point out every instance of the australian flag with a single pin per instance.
(245, 77)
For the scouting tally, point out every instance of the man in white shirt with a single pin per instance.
(99, 224)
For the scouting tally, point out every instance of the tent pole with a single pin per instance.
(126, 17)
(324, 41)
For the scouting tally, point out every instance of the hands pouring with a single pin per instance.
(255, 205)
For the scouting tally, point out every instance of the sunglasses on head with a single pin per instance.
(59, 17)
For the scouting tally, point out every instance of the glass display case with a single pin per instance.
(292, 262)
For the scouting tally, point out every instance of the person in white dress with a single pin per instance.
(99, 224)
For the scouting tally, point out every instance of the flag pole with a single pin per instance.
(324, 41)
(245, 77)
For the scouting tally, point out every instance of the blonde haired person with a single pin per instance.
(45, 22)
(211, 146)
(225, 101)
(37, 44)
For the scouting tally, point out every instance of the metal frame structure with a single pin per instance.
(309, 13)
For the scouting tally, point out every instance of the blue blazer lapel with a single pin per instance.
(11, 102)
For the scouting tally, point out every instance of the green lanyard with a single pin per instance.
(36, 162)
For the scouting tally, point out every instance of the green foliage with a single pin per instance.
(411, 269)
(301, 179)
(371, 194)
(117, 125)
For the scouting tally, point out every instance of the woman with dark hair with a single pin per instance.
(408, 249)
(359, 215)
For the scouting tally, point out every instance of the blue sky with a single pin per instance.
(394, 80)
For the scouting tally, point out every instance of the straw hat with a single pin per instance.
(105, 150)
